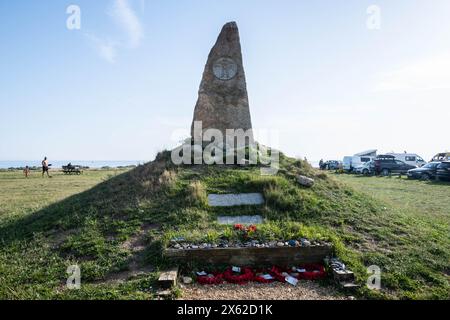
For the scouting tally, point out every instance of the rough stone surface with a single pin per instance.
(240, 220)
(222, 98)
(187, 280)
(230, 200)
(305, 181)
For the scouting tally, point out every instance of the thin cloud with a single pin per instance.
(106, 49)
(127, 19)
(108, 52)
(122, 13)
(427, 74)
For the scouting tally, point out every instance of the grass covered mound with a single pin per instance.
(117, 229)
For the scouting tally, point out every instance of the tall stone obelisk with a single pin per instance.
(222, 98)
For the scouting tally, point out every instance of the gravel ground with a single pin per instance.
(305, 290)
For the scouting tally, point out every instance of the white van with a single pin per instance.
(444, 156)
(409, 158)
(350, 163)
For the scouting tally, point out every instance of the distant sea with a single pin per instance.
(85, 163)
(60, 163)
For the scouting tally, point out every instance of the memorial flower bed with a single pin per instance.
(244, 275)
(267, 235)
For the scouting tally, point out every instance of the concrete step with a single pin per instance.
(168, 278)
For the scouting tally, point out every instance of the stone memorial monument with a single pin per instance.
(222, 98)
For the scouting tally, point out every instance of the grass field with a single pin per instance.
(113, 224)
(413, 236)
(21, 197)
(31, 268)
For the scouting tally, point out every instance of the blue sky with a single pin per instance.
(124, 86)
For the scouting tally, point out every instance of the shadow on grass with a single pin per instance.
(116, 198)
(438, 183)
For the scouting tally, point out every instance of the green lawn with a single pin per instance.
(31, 267)
(428, 201)
(21, 197)
(100, 219)
(412, 237)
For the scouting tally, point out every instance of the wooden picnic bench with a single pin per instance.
(72, 170)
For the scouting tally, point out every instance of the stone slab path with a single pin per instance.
(231, 220)
(230, 200)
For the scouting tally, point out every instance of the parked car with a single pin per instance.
(426, 172)
(385, 165)
(366, 169)
(409, 158)
(331, 165)
(443, 171)
(350, 163)
(443, 156)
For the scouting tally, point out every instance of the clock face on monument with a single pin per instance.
(225, 69)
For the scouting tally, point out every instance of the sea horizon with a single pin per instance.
(57, 164)
(6, 164)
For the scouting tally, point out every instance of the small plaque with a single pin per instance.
(225, 69)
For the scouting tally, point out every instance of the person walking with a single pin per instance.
(45, 167)
(321, 164)
(26, 171)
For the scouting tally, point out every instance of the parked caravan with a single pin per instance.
(409, 158)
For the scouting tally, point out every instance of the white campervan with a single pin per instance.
(409, 158)
(352, 162)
